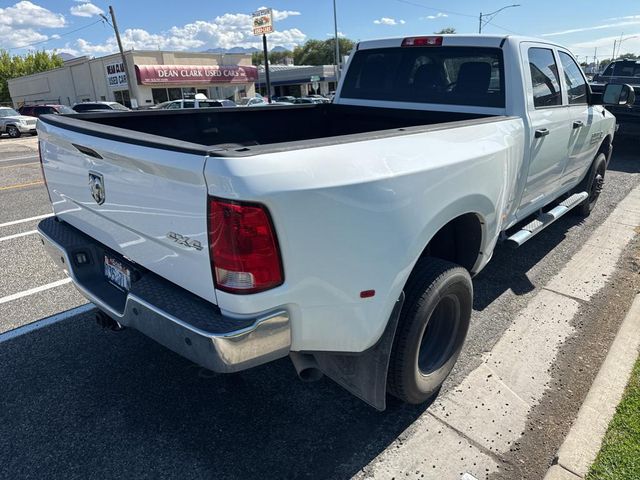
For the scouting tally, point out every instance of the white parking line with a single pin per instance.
(31, 291)
(26, 157)
(23, 220)
(45, 322)
(18, 235)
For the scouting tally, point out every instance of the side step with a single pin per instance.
(546, 219)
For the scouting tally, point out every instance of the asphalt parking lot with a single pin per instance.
(79, 402)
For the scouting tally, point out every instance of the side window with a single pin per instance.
(544, 78)
(576, 85)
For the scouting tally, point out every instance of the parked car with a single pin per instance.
(623, 72)
(47, 109)
(300, 100)
(84, 107)
(343, 235)
(251, 101)
(14, 124)
(284, 98)
(177, 104)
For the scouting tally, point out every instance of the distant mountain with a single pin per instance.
(243, 50)
(232, 50)
(65, 56)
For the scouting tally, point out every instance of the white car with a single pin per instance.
(14, 124)
(251, 101)
(178, 104)
(342, 235)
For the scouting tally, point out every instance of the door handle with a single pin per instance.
(578, 124)
(542, 132)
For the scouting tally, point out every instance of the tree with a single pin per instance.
(275, 58)
(445, 31)
(13, 66)
(321, 52)
(628, 56)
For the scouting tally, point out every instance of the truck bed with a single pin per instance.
(246, 131)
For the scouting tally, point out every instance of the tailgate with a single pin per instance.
(143, 201)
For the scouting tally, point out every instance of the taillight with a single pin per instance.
(422, 42)
(44, 179)
(245, 257)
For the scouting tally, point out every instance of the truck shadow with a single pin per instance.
(83, 403)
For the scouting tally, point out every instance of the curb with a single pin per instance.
(582, 444)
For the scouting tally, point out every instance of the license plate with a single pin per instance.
(117, 273)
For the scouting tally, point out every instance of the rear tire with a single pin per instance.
(431, 330)
(13, 131)
(592, 184)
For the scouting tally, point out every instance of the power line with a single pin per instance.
(449, 12)
(60, 35)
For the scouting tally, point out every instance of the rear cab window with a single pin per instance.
(437, 75)
(545, 80)
(574, 79)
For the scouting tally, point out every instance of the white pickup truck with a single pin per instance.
(343, 235)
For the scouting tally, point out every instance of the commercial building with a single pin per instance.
(298, 80)
(158, 76)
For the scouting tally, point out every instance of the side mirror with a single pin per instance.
(618, 95)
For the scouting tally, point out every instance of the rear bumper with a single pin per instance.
(165, 312)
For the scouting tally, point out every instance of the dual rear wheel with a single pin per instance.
(431, 330)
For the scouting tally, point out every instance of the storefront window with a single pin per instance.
(175, 94)
(159, 95)
(122, 97)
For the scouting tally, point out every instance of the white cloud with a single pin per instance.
(340, 35)
(604, 45)
(19, 24)
(595, 27)
(225, 31)
(389, 21)
(85, 10)
(437, 15)
(27, 14)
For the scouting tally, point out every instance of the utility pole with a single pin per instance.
(492, 15)
(114, 24)
(266, 66)
(613, 57)
(335, 27)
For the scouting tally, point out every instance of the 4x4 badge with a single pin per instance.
(96, 186)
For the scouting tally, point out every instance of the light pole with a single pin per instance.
(620, 44)
(492, 15)
(335, 27)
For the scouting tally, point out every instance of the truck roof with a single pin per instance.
(476, 40)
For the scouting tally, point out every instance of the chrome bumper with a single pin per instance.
(170, 315)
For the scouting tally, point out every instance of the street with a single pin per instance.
(80, 402)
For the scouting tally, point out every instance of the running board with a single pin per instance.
(545, 219)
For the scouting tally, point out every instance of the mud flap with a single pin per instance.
(364, 374)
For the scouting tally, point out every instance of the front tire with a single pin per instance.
(592, 184)
(431, 330)
(13, 131)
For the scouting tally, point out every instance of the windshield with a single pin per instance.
(244, 101)
(65, 109)
(8, 112)
(440, 75)
(117, 106)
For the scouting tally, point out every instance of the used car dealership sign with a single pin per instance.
(263, 22)
(116, 75)
(153, 74)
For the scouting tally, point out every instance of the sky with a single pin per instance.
(75, 26)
